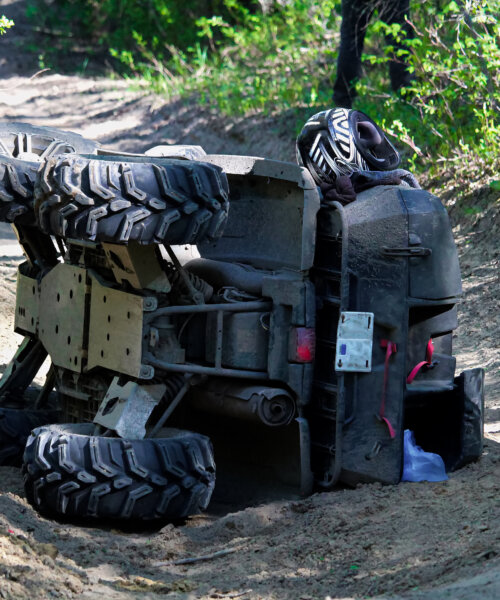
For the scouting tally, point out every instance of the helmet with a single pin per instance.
(341, 141)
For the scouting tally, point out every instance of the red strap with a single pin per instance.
(391, 349)
(428, 361)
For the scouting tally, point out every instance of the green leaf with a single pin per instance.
(451, 7)
(5, 24)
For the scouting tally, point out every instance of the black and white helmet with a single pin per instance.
(341, 141)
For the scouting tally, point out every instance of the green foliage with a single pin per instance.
(263, 61)
(127, 27)
(232, 55)
(451, 110)
(5, 24)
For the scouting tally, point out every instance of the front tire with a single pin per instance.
(68, 471)
(17, 180)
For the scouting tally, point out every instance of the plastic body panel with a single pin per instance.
(390, 253)
(272, 203)
(437, 275)
(376, 283)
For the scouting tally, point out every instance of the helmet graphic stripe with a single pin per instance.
(315, 144)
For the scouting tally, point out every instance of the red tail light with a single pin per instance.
(302, 345)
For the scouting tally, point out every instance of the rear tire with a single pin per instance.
(113, 200)
(68, 471)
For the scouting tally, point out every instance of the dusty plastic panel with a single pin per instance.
(450, 422)
(372, 256)
(436, 322)
(272, 203)
(436, 275)
(378, 283)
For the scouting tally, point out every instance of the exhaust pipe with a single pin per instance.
(274, 407)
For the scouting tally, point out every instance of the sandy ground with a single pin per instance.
(414, 541)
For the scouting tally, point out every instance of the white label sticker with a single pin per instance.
(354, 342)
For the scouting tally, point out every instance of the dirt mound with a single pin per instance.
(370, 542)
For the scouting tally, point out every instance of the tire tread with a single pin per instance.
(98, 200)
(114, 478)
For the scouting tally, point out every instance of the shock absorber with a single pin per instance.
(185, 283)
(187, 288)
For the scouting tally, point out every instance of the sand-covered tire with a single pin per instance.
(119, 199)
(17, 179)
(15, 427)
(68, 471)
(36, 143)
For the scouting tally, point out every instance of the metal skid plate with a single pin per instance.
(354, 342)
(115, 329)
(138, 265)
(126, 409)
(27, 304)
(62, 315)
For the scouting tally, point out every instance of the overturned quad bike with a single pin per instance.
(295, 338)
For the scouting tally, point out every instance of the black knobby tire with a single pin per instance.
(36, 143)
(22, 148)
(68, 471)
(17, 179)
(107, 199)
(15, 427)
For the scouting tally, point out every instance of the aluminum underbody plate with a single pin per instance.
(115, 329)
(27, 305)
(62, 315)
(354, 342)
(126, 408)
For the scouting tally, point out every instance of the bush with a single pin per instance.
(240, 58)
(265, 61)
(271, 62)
(450, 112)
(128, 27)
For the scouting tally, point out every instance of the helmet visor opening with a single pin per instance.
(372, 143)
(368, 135)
